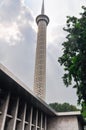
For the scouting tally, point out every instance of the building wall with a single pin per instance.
(63, 123)
(17, 114)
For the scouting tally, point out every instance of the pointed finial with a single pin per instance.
(42, 10)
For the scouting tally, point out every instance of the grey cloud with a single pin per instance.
(11, 9)
(19, 57)
(27, 13)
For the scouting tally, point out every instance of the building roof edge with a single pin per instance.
(25, 87)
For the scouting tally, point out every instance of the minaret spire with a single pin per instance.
(42, 10)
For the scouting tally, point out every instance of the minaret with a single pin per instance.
(40, 64)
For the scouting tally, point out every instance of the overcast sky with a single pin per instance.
(18, 32)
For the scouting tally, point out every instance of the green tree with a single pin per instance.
(84, 110)
(65, 107)
(74, 55)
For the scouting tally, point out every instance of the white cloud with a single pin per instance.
(17, 39)
(13, 14)
(10, 33)
(9, 10)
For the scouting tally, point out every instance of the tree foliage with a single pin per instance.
(84, 110)
(74, 54)
(65, 107)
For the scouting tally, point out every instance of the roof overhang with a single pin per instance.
(10, 82)
(73, 113)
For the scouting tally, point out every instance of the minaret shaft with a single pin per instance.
(40, 63)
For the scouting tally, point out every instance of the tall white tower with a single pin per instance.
(40, 63)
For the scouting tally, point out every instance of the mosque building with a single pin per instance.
(22, 109)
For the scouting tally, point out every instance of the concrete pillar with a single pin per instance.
(36, 120)
(21, 124)
(4, 112)
(16, 112)
(11, 125)
(28, 120)
(41, 121)
(45, 128)
(24, 115)
(31, 114)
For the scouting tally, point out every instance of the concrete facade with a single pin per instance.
(20, 109)
(40, 62)
(64, 123)
(18, 114)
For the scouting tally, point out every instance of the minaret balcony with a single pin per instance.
(42, 17)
